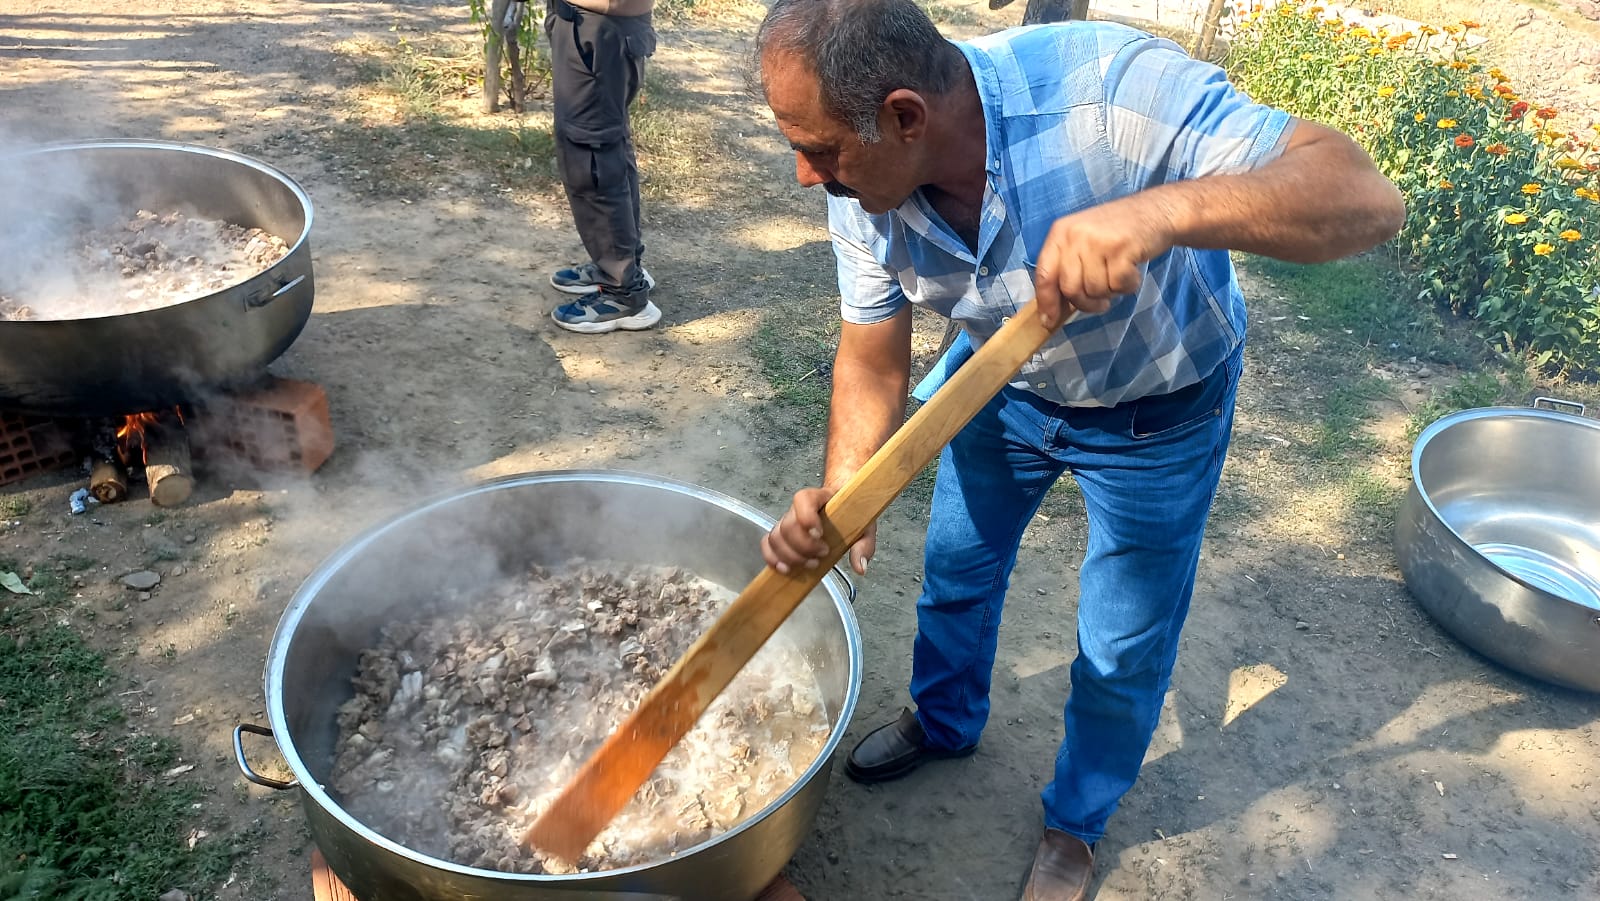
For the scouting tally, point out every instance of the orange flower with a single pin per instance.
(1570, 234)
(1464, 141)
(1530, 188)
(1469, 24)
(1497, 148)
(1546, 113)
(1445, 184)
(1502, 89)
(1542, 249)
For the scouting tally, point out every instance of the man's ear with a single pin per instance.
(903, 116)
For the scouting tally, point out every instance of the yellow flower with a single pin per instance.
(1570, 234)
(1568, 162)
(1452, 93)
(1496, 72)
(1428, 30)
(1459, 66)
(1447, 123)
(1386, 91)
(1304, 57)
(1445, 184)
(1374, 51)
(1588, 194)
(1530, 188)
(1542, 249)
(1360, 32)
(1420, 116)
(1348, 58)
(1452, 29)
(1515, 218)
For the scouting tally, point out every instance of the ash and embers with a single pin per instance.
(147, 261)
(468, 721)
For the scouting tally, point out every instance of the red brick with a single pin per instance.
(282, 425)
(31, 445)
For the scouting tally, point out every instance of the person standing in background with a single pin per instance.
(598, 50)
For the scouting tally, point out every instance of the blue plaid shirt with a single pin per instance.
(1075, 115)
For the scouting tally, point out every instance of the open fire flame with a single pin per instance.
(131, 434)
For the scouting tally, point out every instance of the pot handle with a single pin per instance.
(1556, 402)
(256, 299)
(244, 765)
(849, 585)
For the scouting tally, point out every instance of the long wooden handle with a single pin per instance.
(625, 760)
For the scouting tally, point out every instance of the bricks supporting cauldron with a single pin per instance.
(30, 445)
(281, 425)
(326, 887)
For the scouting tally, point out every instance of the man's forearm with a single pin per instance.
(1321, 200)
(872, 372)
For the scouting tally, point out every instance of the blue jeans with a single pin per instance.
(1148, 471)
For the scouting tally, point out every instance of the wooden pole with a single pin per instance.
(493, 47)
(1206, 43)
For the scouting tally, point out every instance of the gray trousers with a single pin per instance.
(596, 69)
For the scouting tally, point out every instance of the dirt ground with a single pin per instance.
(1323, 739)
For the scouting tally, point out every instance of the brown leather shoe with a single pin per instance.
(889, 752)
(1062, 868)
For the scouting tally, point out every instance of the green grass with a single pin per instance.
(84, 812)
(1480, 389)
(793, 347)
(14, 507)
(1362, 301)
(1346, 410)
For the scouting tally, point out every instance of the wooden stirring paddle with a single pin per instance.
(625, 760)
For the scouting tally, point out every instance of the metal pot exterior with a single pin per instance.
(1508, 480)
(132, 362)
(471, 538)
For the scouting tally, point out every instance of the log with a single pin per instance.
(108, 481)
(167, 466)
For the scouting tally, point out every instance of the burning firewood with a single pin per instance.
(166, 464)
(108, 481)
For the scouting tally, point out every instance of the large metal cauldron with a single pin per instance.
(473, 537)
(127, 363)
(1499, 538)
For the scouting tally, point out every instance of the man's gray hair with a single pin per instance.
(861, 51)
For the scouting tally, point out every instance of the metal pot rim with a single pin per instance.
(180, 147)
(303, 597)
(1442, 425)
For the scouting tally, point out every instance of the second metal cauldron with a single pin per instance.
(1499, 538)
(132, 362)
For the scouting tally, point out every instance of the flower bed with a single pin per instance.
(1503, 193)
